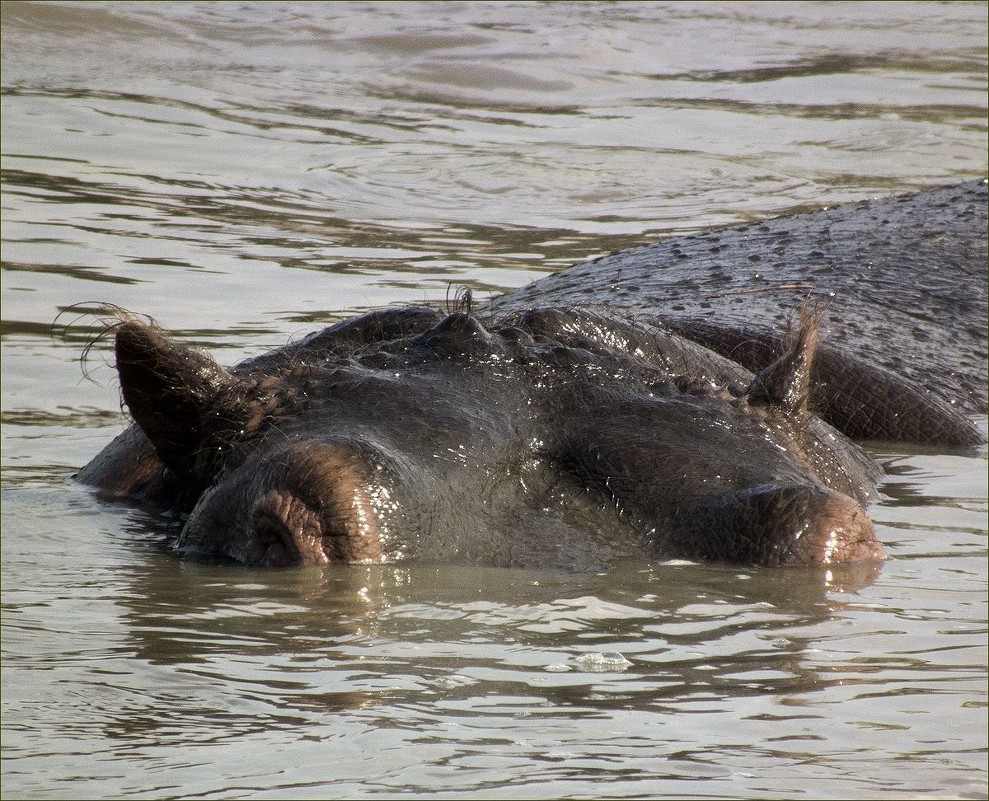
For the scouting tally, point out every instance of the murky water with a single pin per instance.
(247, 171)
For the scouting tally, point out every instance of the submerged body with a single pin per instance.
(537, 436)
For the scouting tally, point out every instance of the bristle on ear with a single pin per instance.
(171, 391)
(786, 382)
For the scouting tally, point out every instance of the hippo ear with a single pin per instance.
(173, 393)
(786, 382)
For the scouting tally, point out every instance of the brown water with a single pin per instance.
(247, 171)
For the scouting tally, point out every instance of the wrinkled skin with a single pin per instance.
(536, 437)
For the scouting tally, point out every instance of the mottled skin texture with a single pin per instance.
(903, 353)
(548, 436)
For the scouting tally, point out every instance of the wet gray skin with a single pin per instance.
(550, 438)
(903, 346)
(537, 437)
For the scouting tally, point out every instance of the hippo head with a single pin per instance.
(547, 438)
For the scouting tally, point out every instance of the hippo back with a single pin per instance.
(905, 278)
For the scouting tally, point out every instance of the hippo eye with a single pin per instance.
(302, 504)
(778, 524)
(321, 497)
(287, 530)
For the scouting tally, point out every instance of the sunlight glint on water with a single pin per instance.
(246, 172)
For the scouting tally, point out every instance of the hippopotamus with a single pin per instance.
(648, 405)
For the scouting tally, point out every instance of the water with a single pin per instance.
(247, 172)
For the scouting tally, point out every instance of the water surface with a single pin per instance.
(246, 172)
